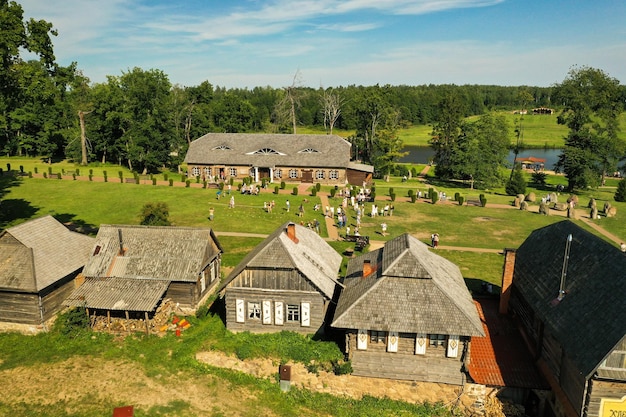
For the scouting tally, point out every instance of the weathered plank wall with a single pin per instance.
(19, 308)
(604, 389)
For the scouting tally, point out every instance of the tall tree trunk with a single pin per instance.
(83, 137)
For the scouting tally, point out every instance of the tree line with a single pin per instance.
(141, 120)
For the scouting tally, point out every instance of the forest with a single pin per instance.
(139, 119)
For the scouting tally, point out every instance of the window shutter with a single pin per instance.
(267, 312)
(420, 344)
(278, 313)
(241, 310)
(306, 314)
(453, 346)
(361, 341)
(392, 342)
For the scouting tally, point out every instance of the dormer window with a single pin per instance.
(265, 151)
(222, 148)
(309, 150)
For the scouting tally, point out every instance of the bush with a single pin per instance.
(318, 186)
(282, 185)
(313, 192)
(154, 181)
(90, 177)
(171, 181)
(411, 193)
(221, 186)
(392, 196)
(276, 188)
(431, 191)
(36, 170)
(165, 177)
(90, 171)
(183, 177)
(413, 198)
(391, 190)
(204, 184)
(456, 196)
(414, 172)
(121, 175)
(483, 200)
(72, 323)
(231, 181)
(49, 170)
(155, 214)
(187, 183)
(342, 368)
(30, 174)
(45, 174)
(434, 197)
(620, 193)
(59, 176)
(8, 167)
(22, 169)
(539, 178)
(106, 179)
(461, 200)
(77, 171)
(332, 192)
(295, 191)
(372, 195)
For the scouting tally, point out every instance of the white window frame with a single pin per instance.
(293, 313)
(254, 310)
(195, 171)
(333, 174)
(320, 174)
(232, 172)
(293, 173)
(278, 173)
(207, 171)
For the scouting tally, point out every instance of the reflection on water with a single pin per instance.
(423, 155)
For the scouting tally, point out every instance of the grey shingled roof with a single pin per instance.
(122, 294)
(312, 256)
(591, 320)
(333, 150)
(412, 290)
(39, 252)
(152, 252)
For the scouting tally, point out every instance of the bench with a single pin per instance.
(130, 180)
(360, 241)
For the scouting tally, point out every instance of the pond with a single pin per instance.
(423, 154)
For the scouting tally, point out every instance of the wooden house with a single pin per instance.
(277, 157)
(286, 283)
(131, 269)
(566, 288)
(407, 314)
(39, 262)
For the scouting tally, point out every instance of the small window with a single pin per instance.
(278, 173)
(265, 151)
(207, 171)
(222, 148)
(97, 250)
(254, 310)
(309, 150)
(333, 174)
(377, 337)
(233, 172)
(437, 339)
(293, 312)
(195, 171)
(319, 174)
(293, 173)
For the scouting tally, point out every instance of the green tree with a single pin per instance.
(517, 183)
(446, 131)
(620, 193)
(155, 214)
(591, 107)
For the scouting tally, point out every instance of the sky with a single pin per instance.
(330, 43)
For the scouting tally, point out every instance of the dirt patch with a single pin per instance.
(343, 385)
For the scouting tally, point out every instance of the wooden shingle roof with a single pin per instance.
(311, 255)
(122, 294)
(591, 319)
(254, 149)
(39, 252)
(152, 252)
(411, 289)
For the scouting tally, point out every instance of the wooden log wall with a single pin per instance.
(604, 389)
(184, 293)
(53, 299)
(19, 308)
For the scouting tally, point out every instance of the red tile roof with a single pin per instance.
(501, 358)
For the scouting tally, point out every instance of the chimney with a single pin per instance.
(119, 233)
(367, 268)
(291, 232)
(507, 280)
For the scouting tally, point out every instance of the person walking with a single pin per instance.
(436, 240)
(211, 213)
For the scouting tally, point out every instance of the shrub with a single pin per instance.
(318, 186)
(22, 169)
(30, 174)
(517, 183)
(36, 170)
(434, 196)
(282, 185)
(104, 173)
(332, 192)
(456, 196)
(204, 184)
(77, 171)
(183, 177)
(392, 196)
(413, 198)
(372, 195)
(49, 170)
(63, 171)
(620, 193)
(414, 172)
(483, 200)
(276, 188)
(155, 214)
(221, 186)
(431, 191)
(391, 190)
(154, 181)
(231, 181)
(8, 167)
(313, 192)
(461, 200)
(165, 177)
(106, 179)
(121, 175)
(411, 193)
(171, 182)
(187, 183)
(72, 323)
(539, 178)
(90, 177)
(342, 368)
(90, 171)
(59, 176)
(45, 174)
(295, 191)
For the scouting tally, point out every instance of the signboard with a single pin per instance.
(611, 407)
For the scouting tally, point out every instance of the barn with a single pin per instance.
(131, 269)
(407, 314)
(39, 262)
(286, 283)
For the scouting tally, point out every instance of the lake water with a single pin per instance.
(423, 154)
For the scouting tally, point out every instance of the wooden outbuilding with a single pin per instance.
(39, 262)
(407, 314)
(286, 283)
(276, 157)
(566, 288)
(131, 269)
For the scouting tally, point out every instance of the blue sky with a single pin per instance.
(249, 43)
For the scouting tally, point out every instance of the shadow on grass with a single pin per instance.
(480, 287)
(76, 225)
